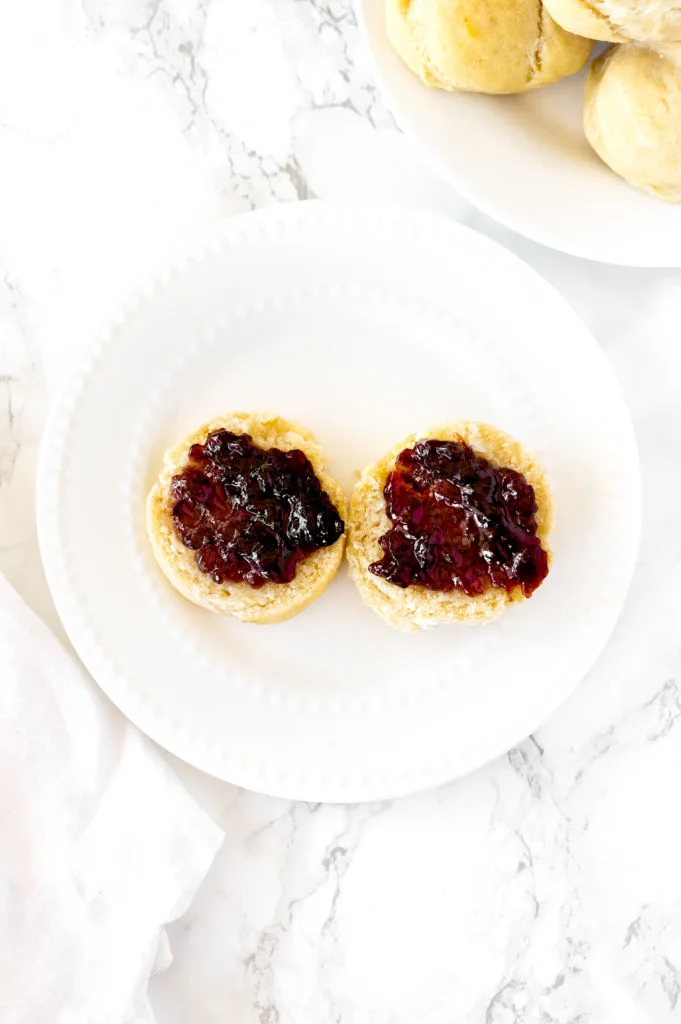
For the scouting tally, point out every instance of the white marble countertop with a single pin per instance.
(545, 888)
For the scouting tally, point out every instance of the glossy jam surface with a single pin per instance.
(459, 523)
(251, 514)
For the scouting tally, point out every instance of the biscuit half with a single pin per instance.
(417, 607)
(273, 602)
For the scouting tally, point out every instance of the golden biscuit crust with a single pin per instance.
(489, 46)
(632, 115)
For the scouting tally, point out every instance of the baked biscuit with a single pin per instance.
(632, 115)
(490, 46)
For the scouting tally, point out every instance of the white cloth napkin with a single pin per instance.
(100, 844)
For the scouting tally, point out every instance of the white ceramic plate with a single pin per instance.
(524, 160)
(365, 326)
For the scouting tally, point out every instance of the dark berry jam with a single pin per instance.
(251, 514)
(459, 523)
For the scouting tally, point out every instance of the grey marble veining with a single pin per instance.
(545, 888)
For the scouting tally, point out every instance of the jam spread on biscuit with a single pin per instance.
(251, 514)
(459, 523)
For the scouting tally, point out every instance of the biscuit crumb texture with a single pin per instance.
(273, 602)
(417, 607)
